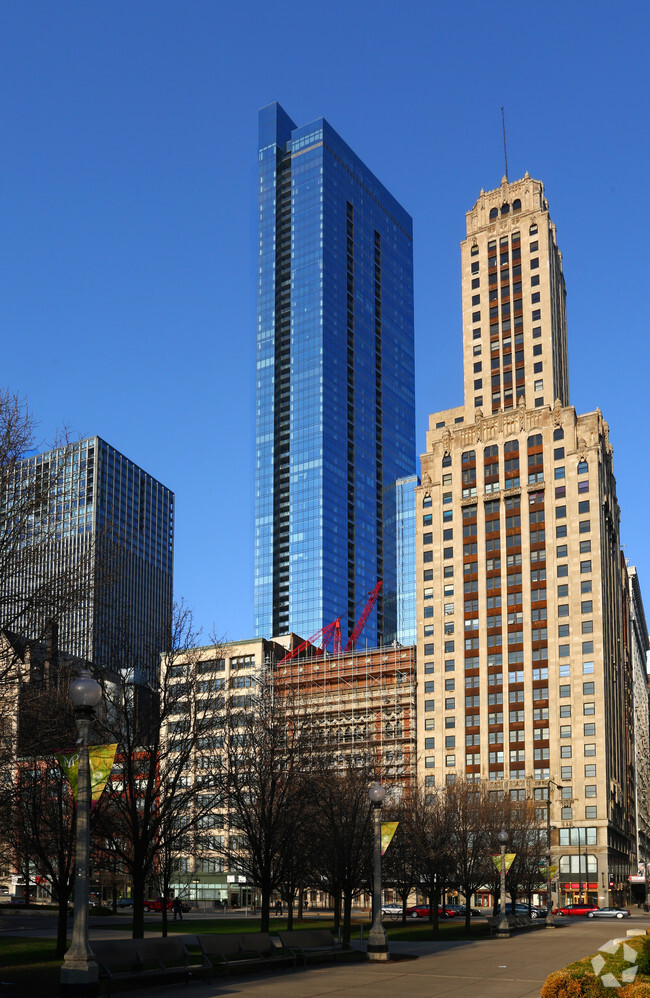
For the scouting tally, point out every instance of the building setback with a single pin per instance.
(102, 511)
(523, 675)
(335, 424)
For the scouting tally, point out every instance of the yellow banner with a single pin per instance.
(388, 829)
(101, 761)
(510, 856)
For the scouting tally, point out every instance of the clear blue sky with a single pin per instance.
(128, 185)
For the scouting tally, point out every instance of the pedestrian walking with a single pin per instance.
(278, 908)
(177, 908)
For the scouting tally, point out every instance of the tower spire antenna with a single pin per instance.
(505, 151)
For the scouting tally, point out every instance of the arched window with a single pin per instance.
(583, 467)
(558, 434)
(505, 209)
(532, 230)
(446, 461)
(474, 250)
(494, 212)
(535, 441)
(516, 205)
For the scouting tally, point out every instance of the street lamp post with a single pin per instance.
(503, 928)
(377, 942)
(550, 920)
(79, 972)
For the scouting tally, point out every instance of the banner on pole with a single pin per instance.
(101, 759)
(388, 829)
(496, 859)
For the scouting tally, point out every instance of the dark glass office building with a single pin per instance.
(98, 546)
(335, 419)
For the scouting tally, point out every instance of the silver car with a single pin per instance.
(609, 913)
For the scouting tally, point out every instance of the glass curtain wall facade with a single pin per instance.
(335, 421)
(103, 535)
(399, 507)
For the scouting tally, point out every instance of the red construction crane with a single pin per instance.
(332, 632)
(358, 627)
(324, 636)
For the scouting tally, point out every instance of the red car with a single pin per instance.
(422, 911)
(157, 905)
(576, 909)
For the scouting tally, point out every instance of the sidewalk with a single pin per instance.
(487, 968)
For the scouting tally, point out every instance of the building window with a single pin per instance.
(565, 691)
(566, 773)
(590, 748)
(585, 567)
(583, 467)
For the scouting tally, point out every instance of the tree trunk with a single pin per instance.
(264, 909)
(434, 904)
(337, 912)
(62, 927)
(138, 902)
(347, 916)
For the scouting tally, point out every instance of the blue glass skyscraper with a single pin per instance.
(335, 420)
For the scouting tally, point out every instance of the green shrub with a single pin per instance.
(643, 961)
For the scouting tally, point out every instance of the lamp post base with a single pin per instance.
(503, 929)
(79, 980)
(378, 953)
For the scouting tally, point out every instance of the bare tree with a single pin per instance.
(158, 797)
(41, 831)
(37, 582)
(262, 772)
(401, 865)
(432, 831)
(342, 842)
(471, 837)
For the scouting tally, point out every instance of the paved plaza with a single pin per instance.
(486, 968)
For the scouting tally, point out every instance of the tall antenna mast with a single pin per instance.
(505, 151)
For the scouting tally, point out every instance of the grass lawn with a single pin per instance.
(30, 966)
(414, 930)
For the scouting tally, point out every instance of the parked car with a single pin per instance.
(125, 903)
(392, 910)
(575, 909)
(609, 913)
(522, 909)
(460, 909)
(159, 903)
(422, 911)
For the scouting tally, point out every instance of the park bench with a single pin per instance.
(239, 950)
(516, 922)
(316, 943)
(142, 960)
